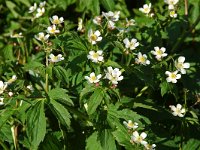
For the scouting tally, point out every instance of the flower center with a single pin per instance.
(93, 78)
(159, 52)
(142, 59)
(95, 55)
(93, 37)
(173, 76)
(56, 21)
(52, 30)
(130, 124)
(180, 65)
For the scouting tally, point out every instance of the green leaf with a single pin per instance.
(165, 87)
(112, 63)
(95, 100)
(192, 144)
(61, 74)
(50, 142)
(93, 143)
(8, 52)
(36, 124)
(60, 112)
(109, 5)
(5, 115)
(122, 137)
(12, 6)
(107, 140)
(60, 95)
(88, 89)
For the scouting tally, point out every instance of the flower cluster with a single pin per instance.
(3, 87)
(113, 75)
(55, 20)
(137, 138)
(111, 17)
(39, 10)
(180, 66)
(172, 7)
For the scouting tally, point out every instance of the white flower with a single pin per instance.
(139, 139)
(40, 12)
(52, 30)
(57, 58)
(146, 8)
(10, 94)
(130, 22)
(32, 8)
(142, 59)
(56, 20)
(97, 20)
(159, 52)
(1, 101)
(130, 124)
(16, 35)
(181, 66)
(131, 44)
(178, 110)
(93, 78)
(114, 75)
(171, 3)
(3, 86)
(42, 4)
(30, 87)
(80, 24)
(150, 147)
(111, 25)
(94, 37)
(172, 76)
(173, 14)
(96, 56)
(13, 79)
(113, 16)
(42, 37)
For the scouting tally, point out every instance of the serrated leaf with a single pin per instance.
(192, 144)
(50, 142)
(60, 95)
(12, 6)
(60, 112)
(61, 74)
(122, 137)
(107, 140)
(8, 52)
(112, 63)
(95, 100)
(109, 5)
(36, 124)
(88, 89)
(5, 115)
(93, 143)
(165, 88)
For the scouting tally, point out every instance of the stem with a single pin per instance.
(47, 76)
(186, 7)
(184, 35)
(4, 145)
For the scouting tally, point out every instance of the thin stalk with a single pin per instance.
(46, 76)
(186, 7)
(184, 35)
(4, 145)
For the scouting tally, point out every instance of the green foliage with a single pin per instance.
(77, 90)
